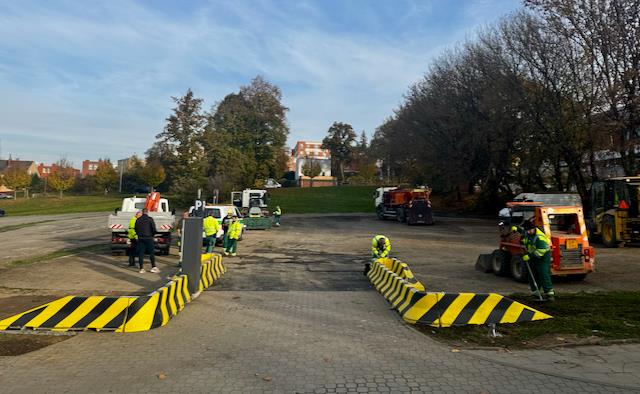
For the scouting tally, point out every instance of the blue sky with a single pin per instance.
(84, 80)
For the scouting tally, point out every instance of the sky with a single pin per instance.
(88, 80)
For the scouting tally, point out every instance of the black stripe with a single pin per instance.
(65, 311)
(136, 306)
(499, 310)
(175, 298)
(94, 313)
(27, 317)
(467, 313)
(394, 285)
(116, 321)
(400, 290)
(377, 271)
(415, 297)
(439, 308)
(157, 314)
(525, 315)
(384, 280)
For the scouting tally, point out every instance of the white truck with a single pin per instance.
(249, 198)
(118, 223)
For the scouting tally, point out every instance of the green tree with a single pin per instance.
(153, 174)
(62, 177)
(106, 175)
(179, 145)
(311, 168)
(17, 178)
(339, 140)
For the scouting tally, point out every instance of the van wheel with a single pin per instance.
(500, 262)
(609, 232)
(519, 270)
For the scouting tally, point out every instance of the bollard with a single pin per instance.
(192, 251)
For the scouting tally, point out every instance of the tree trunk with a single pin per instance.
(61, 194)
(341, 172)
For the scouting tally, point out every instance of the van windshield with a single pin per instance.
(214, 211)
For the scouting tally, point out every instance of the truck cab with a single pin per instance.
(614, 213)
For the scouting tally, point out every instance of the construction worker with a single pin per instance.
(538, 256)
(211, 228)
(225, 228)
(276, 215)
(380, 248)
(146, 229)
(235, 229)
(133, 239)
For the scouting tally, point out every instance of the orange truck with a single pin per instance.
(571, 254)
(411, 206)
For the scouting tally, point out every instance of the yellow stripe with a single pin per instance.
(111, 312)
(172, 304)
(452, 312)
(80, 312)
(540, 315)
(180, 296)
(485, 309)
(512, 313)
(53, 308)
(5, 323)
(403, 293)
(163, 305)
(143, 319)
(421, 307)
(408, 298)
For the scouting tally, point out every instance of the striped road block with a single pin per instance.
(440, 309)
(211, 269)
(119, 314)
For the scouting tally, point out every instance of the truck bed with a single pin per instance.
(120, 222)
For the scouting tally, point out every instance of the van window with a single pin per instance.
(139, 205)
(215, 211)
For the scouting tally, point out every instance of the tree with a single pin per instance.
(106, 175)
(311, 168)
(17, 178)
(179, 145)
(339, 141)
(62, 176)
(153, 174)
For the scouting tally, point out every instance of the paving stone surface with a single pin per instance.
(273, 341)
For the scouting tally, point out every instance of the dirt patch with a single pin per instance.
(17, 344)
(13, 305)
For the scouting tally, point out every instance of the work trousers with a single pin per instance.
(541, 268)
(277, 219)
(210, 241)
(145, 245)
(132, 251)
(232, 245)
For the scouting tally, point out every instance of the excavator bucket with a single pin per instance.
(483, 264)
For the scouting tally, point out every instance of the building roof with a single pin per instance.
(22, 164)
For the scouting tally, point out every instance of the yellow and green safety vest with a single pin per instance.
(375, 251)
(537, 245)
(131, 231)
(210, 225)
(235, 228)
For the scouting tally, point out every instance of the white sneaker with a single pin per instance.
(226, 253)
(233, 254)
(155, 270)
(142, 271)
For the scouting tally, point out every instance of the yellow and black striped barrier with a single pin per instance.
(441, 309)
(119, 314)
(211, 270)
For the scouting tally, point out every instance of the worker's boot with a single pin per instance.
(536, 294)
(549, 295)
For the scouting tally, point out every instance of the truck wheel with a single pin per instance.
(519, 270)
(400, 215)
(500, 262)
(380, 212)
(609, 232)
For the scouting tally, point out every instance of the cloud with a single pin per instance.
(99, 77)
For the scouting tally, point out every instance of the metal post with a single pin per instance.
(121, 171)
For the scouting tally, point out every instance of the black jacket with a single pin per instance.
(145, 227)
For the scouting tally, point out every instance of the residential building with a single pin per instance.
(311, 150)
(27, 165)
(89, 167)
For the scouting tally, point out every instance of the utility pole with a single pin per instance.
(120, 164)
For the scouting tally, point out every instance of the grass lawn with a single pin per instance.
(578, 318)
(331, 199)
(54, 205)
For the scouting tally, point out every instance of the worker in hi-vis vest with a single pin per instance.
(538, 254)
(211, 228)
(380, 248)
(133, 239)
(276, 215)
(235, 230)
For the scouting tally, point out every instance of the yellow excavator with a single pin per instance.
(615, 208)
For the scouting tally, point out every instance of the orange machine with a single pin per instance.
(153, 201)
(571, 254)
(407, 205)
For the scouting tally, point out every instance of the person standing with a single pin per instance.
(146, 229)
(380, 248)
(276, 215)
(538, 256)
(211, 228)
(133, 239)
(235, 229)
(225, 228)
